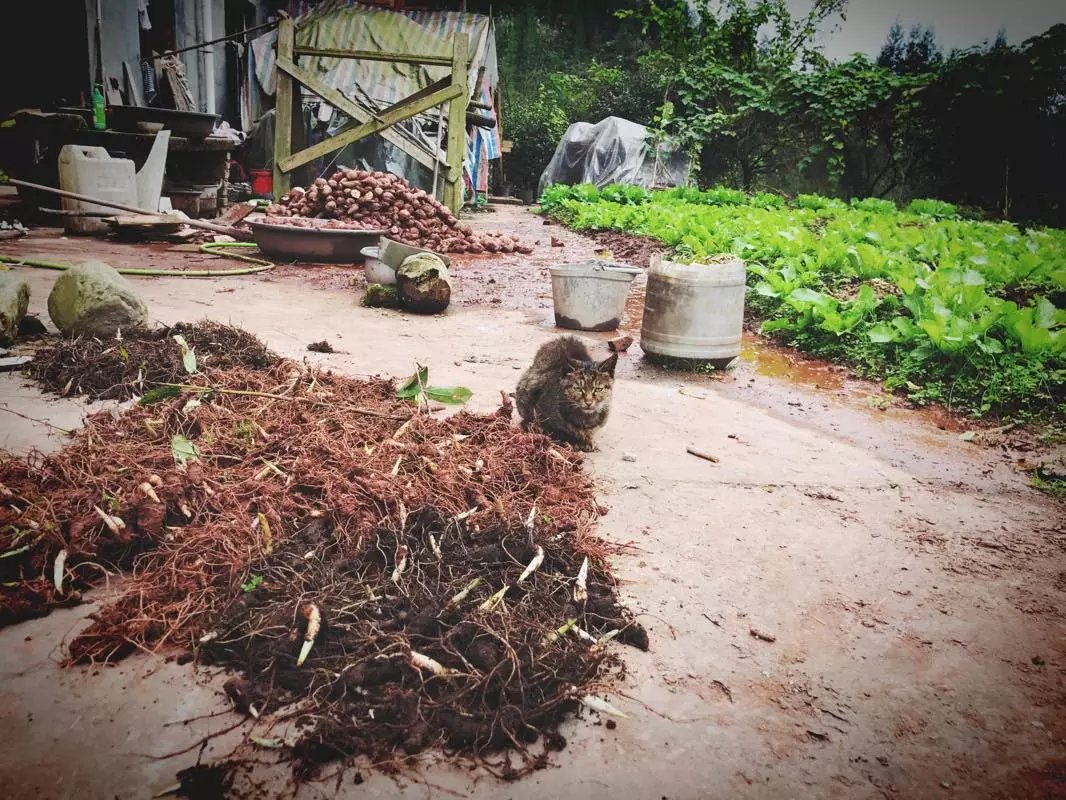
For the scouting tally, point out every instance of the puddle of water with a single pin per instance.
(772, 362)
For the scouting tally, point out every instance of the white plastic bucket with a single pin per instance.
(590, 297)
(376, 270)
(694, 311)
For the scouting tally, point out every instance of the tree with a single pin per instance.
(726, 74)
(913, 54)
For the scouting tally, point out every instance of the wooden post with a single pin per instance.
(283, 108)
(453, 181)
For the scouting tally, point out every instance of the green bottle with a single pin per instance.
(99, 115)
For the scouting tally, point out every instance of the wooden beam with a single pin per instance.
(360, 113)
(283, 114)
(398, 112)
(374, 55)
(453, 180)
(398, 140)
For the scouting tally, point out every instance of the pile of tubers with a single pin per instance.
(359, 200)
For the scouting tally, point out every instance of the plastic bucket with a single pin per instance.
(262, 182)
(376, 270)
(590, 297)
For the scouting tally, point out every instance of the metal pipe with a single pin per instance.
(207, 31)
(200, 45)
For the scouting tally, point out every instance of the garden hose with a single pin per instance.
(210, 248)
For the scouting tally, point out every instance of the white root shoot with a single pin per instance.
(466, 591)
(155, 480)
(494, 601)
(427, 664)
(114, 524)
(314, 623)
(584, 635)
(435, 547)
(562, 630)
(600, 705)
(149, 490)
(464, 515)
(538, 559)
(581, 589)
(59, 570)
(529, 520)
(401, 563)
(603, 640)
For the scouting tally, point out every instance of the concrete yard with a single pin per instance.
(914, 582)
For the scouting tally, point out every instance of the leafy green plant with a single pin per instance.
(253, 583)
(417, 389)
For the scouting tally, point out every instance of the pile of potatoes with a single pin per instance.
(360, 200)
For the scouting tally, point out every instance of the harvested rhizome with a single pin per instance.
(380, 581)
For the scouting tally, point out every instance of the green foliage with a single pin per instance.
(417, 389)
(933, 208)
(947, 310)
(183, 450)
(252, 584)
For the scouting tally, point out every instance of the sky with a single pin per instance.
(958, 23)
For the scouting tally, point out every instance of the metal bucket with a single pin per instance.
(590, 297)
(694, 311)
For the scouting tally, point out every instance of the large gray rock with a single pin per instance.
(93, 299)
(14, 299)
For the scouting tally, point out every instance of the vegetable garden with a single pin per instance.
(943, 309)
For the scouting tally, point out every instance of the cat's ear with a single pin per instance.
(574, 365)
(608, 364)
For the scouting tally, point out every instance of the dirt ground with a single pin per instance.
(913, 582)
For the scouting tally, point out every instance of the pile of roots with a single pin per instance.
(386, 581)
(118, 369)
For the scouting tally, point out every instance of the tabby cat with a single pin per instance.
(566, 392)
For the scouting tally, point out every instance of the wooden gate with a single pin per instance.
(452, 89)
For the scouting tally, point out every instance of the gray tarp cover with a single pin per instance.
(613, 151)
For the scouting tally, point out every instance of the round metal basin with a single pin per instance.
(313, 245)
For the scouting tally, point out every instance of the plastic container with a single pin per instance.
(592, 296)
(694, 311)
(262, 182)
(99, 113)
(91, 171)
(376, 270)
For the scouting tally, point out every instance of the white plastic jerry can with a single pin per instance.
(91, 171)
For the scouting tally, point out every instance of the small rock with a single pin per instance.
(620, 345)
(1037, 723)
(628, 457)
(93, 299)
(557, 242)
(1038, 661)
(14, 299)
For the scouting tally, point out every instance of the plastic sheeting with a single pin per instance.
(614, 150)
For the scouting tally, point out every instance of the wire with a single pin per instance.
(209, 248)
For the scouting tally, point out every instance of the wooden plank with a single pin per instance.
(359, 113)
(453, 180)
(404, 109)
(374, 55)
(283, 106)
